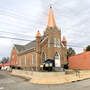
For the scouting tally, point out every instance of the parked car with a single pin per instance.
(48, 65)
(6, 68)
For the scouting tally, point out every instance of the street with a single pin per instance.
(8, 82)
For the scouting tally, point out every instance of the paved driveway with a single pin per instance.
(8, 82)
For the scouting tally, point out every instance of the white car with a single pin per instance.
(6, 68)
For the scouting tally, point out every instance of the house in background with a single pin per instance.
(48, 46)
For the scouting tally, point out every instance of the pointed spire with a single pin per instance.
(64, 38)
(38, 34)
(64, 41)
(51, 18)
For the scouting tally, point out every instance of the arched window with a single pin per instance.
(33, 58)
(57, 56)
(57, 60)
(56, 42)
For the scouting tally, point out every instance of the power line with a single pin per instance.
(9, 12)
(16, 33)
(74, 46)
(20, 39)
(21, 16)
(20, 24)
(13, 14)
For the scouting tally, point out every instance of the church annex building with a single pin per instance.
(49, 46)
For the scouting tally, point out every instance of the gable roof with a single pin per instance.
(19, 47)
(22, 48)
(30, 45)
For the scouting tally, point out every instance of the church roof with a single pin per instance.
(30, 45)
(22, 48)
(19, 47)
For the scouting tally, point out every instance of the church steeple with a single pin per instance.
(51, 18)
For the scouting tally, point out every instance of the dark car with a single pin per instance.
(48, 65)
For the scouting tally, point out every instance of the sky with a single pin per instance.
(21, 19)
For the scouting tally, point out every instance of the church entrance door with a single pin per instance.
(57, 60)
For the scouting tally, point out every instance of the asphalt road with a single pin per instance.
(8, 82)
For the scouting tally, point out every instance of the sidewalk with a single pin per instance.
(52, 77)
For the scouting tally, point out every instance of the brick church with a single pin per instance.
(49, 46)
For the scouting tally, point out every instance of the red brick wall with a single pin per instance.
(25, 60)
(80, 61)
(13, 57)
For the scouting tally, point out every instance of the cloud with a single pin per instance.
(28, 16)
(17, 18)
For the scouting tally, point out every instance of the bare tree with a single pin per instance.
(4, 60)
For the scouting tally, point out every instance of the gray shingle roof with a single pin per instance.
(30, 45)
(26, 47)
(19, 47)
